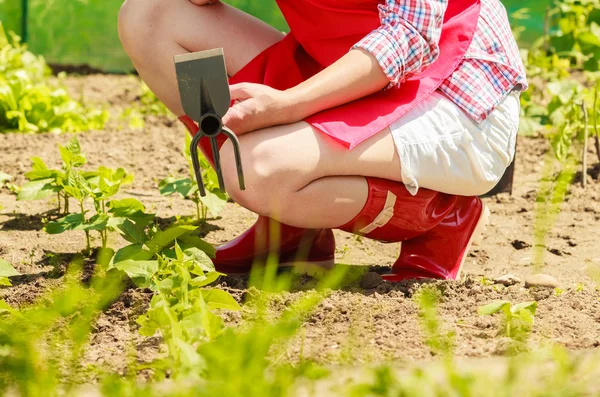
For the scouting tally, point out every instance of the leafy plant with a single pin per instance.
(99, 186)
(574, 32)
(182, 309)
(29, 103)
(6, 271)
(213, 202)
(140, 259)
(518, 320)
(561, 109)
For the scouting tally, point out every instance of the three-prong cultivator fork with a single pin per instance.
(204, 93)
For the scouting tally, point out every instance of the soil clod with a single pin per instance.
(507, 280)
(371, 280)
(520, 245)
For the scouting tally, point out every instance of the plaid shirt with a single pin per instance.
(406, 43)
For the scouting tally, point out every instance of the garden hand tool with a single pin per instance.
(204, 93)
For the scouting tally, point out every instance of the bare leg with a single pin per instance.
(153, 31)
(293, 173)
(303, 178)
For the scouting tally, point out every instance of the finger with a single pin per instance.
(203, 2)
(234, 120)
(242, 91)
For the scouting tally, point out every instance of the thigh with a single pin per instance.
(241, 35)
(292, 156)
(153, 31)
(150, 28)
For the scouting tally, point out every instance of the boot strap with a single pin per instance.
(384, 216)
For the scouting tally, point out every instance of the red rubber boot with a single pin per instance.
(441, 252)
(307, 250)
(436, 228)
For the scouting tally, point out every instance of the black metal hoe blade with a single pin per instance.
(204, 93)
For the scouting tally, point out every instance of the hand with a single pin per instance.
(258, 106)
(203, 2)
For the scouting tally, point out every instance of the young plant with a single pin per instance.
(98, 186)
(182, 309)
(6, 271)
(45, 182)
(518, 320)
(71, 183)
(215, 200)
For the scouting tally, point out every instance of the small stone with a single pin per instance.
(507, 280)
(541, 280)
(371, 280)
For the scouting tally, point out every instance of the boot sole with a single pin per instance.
(477, 236)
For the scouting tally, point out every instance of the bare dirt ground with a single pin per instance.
(371, 321)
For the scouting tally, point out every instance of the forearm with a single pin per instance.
(355, 75)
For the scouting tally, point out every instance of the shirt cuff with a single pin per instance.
(385, 50)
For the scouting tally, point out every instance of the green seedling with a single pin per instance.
(96, 187)
(518, 319)
(45, 182)
(213, 202)
(99, 187)
(6, 271)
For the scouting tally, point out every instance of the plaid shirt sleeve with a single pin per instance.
(407, 41)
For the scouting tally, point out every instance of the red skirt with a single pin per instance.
(322, 31)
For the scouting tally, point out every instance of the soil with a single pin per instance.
(368, 321)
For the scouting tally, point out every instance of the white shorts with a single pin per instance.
(443, 149)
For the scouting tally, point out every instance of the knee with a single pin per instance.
(139, 22)
(266, 184)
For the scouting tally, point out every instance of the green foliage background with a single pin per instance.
(85, 31)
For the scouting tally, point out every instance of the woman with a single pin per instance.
(384, 118)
